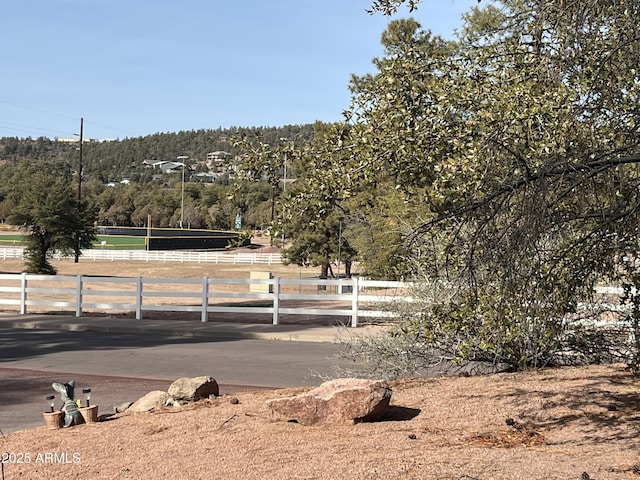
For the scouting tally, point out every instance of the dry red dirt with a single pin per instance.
(570, 423)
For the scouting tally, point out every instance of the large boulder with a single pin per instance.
(151, 400)
(193, 389)
(345, 400)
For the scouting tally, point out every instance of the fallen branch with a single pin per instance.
(227, 420)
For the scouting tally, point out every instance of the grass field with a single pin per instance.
(11, 240)
(120, 242)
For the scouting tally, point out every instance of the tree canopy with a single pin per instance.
(515, 151)
(45, 205)
(125, 190)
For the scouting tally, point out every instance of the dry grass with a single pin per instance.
(169, 269)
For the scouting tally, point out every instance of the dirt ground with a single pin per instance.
(570, 423)
(169, 269)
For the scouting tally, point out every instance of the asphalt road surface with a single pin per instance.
(122, 367)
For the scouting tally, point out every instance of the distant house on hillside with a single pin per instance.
(165, 166)
(215, 166)
(218, 156)
(203, 177)
(217, 162)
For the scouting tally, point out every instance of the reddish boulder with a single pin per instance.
(345, 400)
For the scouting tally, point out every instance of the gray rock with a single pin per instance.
(150, 401)
(193, 389)
(345, 400)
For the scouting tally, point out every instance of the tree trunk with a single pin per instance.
(324, 270)
(347, 268)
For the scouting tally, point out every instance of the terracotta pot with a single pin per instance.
(53, 420)
(90, 414)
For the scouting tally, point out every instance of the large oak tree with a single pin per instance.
(520, 143)
(45, 205)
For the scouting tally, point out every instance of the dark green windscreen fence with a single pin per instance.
(175, 239)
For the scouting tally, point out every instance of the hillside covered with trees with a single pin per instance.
(119, 181)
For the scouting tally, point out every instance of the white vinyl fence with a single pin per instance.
(181, 256)
(354, 298)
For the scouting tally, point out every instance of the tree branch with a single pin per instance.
(598, 165)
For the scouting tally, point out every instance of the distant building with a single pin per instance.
(84, 140)
(219, 163)
(203, 177)
(165, 166)
(216, 165)
(218, 156)
(72, 140)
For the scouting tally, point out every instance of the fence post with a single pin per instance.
(276, 300)
(139, 298)
(79, 296)
(354, 301)
(205, 299)
(23, 294)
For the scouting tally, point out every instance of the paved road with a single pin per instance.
(121, 367)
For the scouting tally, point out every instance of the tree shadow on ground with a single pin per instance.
(601, 408)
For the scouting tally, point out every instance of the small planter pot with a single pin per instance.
(53, 420)
(90, 414)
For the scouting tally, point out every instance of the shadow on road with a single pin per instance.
(14, 345)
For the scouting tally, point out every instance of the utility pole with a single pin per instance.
(183, 159)
(284, 188)
(77, 252)
(80, 164)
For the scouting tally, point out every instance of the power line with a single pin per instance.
(28, 128)
(107, 127)
(38, 110)
(32, 128)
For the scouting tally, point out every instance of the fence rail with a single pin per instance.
(354, 298)
(181, 256)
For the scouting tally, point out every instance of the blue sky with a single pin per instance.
(137, 67)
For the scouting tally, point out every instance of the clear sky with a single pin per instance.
(136, 67)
